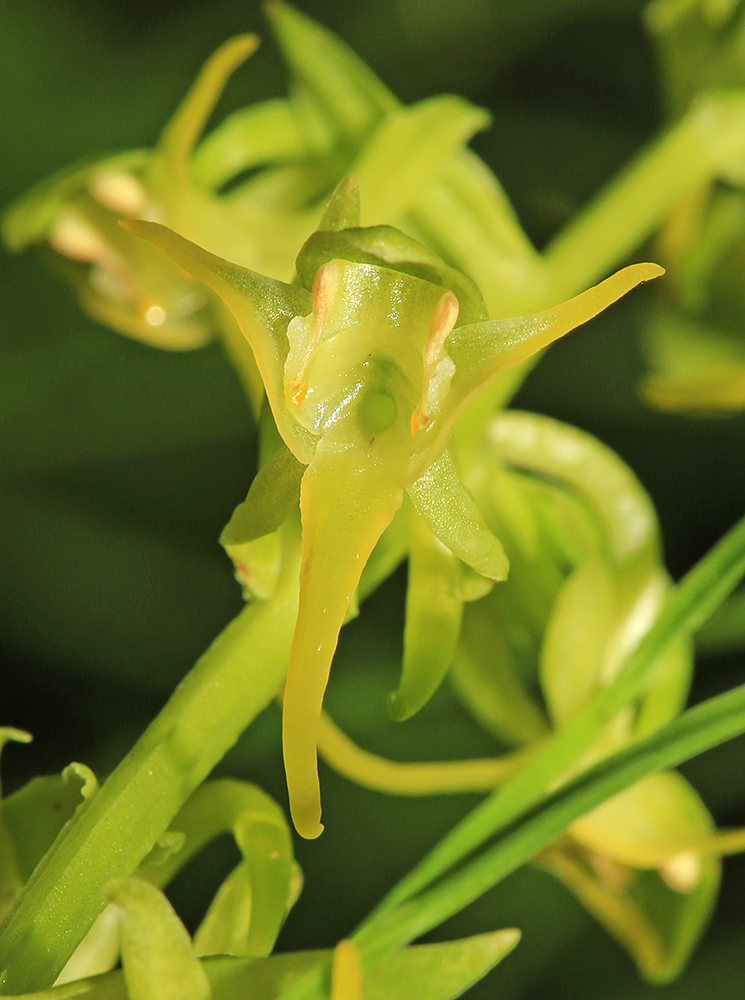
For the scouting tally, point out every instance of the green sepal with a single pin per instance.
(408, 151)
(450, 511)
(649, 884)
(575, 639)
(385, 246)
(648, 824)
(347, 101)
(433, 616)
(342, 210)
(249, 909)
(263, 308)
(169, 170)
(225, 927)
(472, 586)
(254, 136)
(580, 464)
(157, 956)
(483, 350)
(251, 535)
(98, 952)
(12, 877)
(345, 92)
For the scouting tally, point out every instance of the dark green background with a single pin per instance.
(119, 465)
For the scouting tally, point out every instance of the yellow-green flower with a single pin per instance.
(366, 364)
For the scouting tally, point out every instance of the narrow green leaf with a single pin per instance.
(412, 145)
(430, 972)
(725, 630)
(667, 697)
(709, 724)
(438, 971)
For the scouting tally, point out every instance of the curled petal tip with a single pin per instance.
(308, 826)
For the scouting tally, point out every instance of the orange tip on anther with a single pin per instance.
(299, 395)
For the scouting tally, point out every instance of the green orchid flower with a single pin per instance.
(366, 364)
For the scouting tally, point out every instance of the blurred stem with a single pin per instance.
(233, 681)
(698, 149)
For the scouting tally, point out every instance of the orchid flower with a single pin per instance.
(366, 364)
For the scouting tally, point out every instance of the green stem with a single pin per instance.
(693, 152)
(233, 681)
